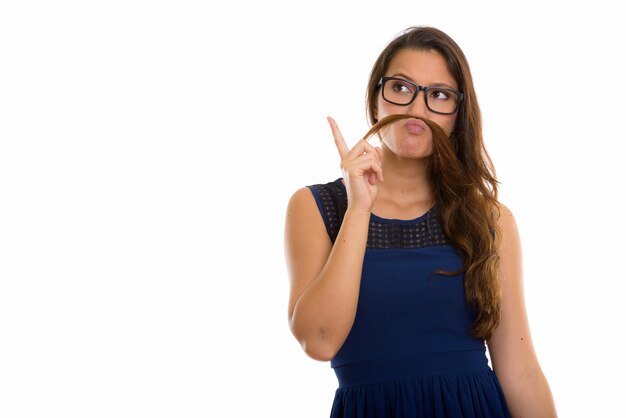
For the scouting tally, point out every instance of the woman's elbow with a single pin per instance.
(316, 345)
(318, 351)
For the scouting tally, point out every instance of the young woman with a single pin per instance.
(407, 267)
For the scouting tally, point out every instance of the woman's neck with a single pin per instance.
(406, 187)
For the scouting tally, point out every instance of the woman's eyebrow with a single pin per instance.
(448, 86)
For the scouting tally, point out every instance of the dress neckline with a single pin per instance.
(417, 220)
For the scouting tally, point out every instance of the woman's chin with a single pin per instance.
(414, 155)
(414, 149)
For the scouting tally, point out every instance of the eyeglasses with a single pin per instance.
(402, 92)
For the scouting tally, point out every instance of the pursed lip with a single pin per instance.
(415, 126)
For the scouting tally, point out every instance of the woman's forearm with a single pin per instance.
(529, 396)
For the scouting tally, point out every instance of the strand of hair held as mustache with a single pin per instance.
(388, 120)
(443, 162)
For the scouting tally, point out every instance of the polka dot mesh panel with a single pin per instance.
(425, 233)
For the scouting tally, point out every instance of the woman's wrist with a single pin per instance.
(358, 213)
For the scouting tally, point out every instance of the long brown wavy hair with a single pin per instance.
(461, 174)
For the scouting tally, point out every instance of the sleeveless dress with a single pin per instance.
(409, 352)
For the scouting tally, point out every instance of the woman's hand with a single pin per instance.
(361, 167)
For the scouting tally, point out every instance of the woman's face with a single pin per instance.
(412, 138)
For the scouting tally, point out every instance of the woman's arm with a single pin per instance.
(325, 278)
(510, 347)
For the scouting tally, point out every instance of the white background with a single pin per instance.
(148, 151)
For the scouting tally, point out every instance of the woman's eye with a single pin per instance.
(401, 88)
(439, 94)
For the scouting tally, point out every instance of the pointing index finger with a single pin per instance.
(339, 141)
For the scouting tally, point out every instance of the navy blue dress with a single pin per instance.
(409, 352)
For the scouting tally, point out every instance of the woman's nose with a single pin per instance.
(418, 105)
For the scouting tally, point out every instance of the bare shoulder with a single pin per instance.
(307, 244)
(504, 215)
(509, 234)
(301, 200)
(303, 215)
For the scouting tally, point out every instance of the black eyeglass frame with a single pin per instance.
(419, 88)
